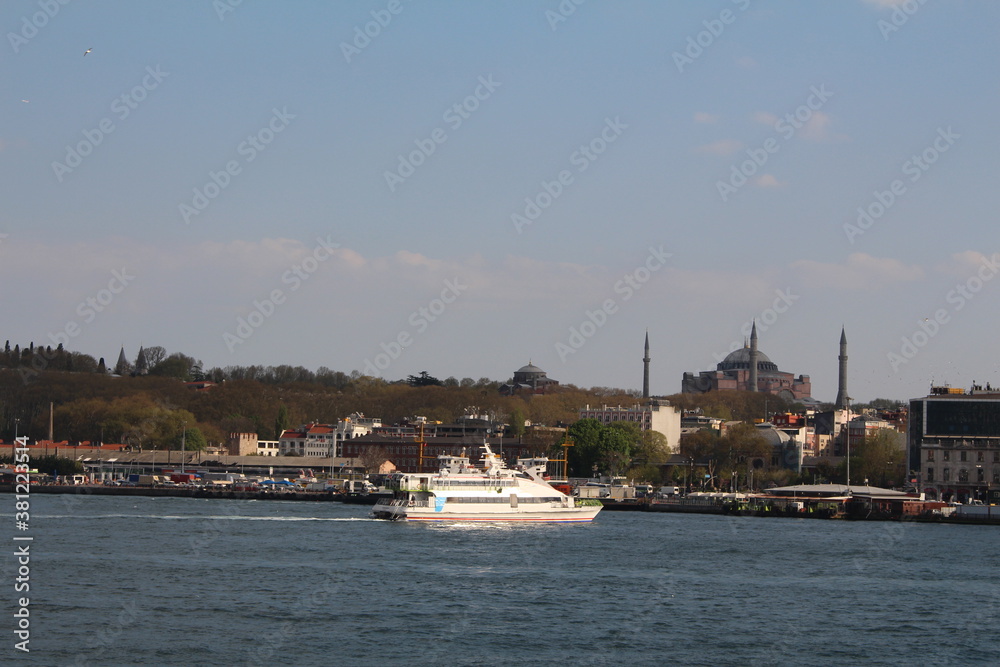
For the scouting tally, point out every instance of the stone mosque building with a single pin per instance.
(749, 369)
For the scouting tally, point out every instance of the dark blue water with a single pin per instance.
(144, 581)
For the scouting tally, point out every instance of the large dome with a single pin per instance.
(530, 369)
(740, 360)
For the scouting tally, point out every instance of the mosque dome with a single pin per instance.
(740, 360)
(773, 436)
(530, 370)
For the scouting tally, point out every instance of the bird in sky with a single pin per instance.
(88, 51)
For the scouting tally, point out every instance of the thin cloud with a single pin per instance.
(768, 181)
(723, 147)
(860, 272)
(705, 117)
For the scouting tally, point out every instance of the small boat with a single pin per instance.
(460, 491)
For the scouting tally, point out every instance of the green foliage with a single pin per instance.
(192, 439)
(281, 422)
(516, 423)
(47, 465)
(425, 379)
(604, 448)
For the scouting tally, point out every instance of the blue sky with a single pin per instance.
(235, 178)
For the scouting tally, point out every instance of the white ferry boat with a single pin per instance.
(460, 491)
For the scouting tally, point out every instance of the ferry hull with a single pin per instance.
(569, 515)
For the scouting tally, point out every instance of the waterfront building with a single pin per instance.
(749, 369)
(953, 443)
(655, 415)
(322, 439)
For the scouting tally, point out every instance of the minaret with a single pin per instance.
(753, 357)
(645, 370)
(842, 384)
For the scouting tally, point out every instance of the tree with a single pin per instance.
(177, 365)
(516, 423)
(155, 355)
(192, 439)
(281, 422)
(372, 458)
(423, 380)
(879, 458)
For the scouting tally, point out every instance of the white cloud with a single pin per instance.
(768, 181)
(965, 264)
(860, 272)
(705, 117)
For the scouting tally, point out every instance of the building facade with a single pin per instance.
(655, 415)
(953, 444)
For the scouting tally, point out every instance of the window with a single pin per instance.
(947, 455)
(980, 456)
(930, 474)
(946, 475)
(996, 457)
(980, 475)
(963, 475)
(930, 454)
(996, 476)
(963, 456)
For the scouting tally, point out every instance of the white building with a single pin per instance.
(656, 415)
(322, 439)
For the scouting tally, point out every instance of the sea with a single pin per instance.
(184, 581)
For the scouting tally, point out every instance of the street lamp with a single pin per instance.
(183, 437)
(847, 441)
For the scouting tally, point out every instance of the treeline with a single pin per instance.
(156, 411)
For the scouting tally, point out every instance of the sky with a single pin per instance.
(461, 187)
